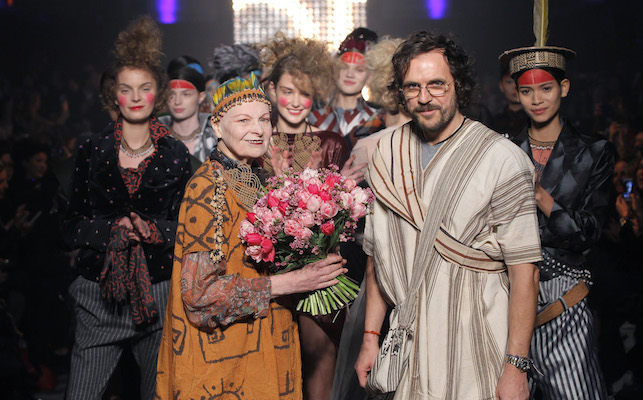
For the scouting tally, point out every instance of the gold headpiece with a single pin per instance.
(540, 55)
(236, 91)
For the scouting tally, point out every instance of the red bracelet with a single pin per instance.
(372, 332)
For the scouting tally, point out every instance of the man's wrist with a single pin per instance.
(523, 364)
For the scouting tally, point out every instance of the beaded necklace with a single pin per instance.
(144, 150)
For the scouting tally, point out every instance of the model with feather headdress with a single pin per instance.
(572, 190)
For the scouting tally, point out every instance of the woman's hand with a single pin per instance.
(137, 228)
(279, 160)
(355, 172)
(140, 226)
(317, 275)
(544, 201)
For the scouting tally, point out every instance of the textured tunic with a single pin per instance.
(461, 324)
(254, 355)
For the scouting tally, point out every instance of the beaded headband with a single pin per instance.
(236, 91)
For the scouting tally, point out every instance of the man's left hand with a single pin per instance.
(512, 384)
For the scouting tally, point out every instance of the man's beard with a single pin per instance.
(432, 131)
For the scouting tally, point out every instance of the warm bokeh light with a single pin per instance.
(327, 20)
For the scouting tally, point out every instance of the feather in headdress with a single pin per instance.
(541, 22)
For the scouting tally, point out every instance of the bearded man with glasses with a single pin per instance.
(456, 242)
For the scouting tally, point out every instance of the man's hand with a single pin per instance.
(352, 170)
(512, 384)
(366, 359)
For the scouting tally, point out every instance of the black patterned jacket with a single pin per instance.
(99, 197)
(578, 176)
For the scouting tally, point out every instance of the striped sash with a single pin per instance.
(466, 257)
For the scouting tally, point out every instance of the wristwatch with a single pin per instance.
(524, 364)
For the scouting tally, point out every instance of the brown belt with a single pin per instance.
(569, 299)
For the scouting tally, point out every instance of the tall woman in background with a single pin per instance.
(126, 192)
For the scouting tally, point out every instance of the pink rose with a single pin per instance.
(283, 206)
(272, 201)
(307, 218)
(328, 228)
(254, 252)
(245, 228)
(358, 210)
(347, 199)
(267, 250)
(359, 195)
(349, 184)
(332, 180)
(308, 173)
(252, 217)
(313, 181)
(313, 203)
(324, 195)
(254, 239)
(328, 209)
(266, 216)
(305, 234)
(293, 228)
(313, 189)
(304, 195)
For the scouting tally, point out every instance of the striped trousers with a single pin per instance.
(101, 334)
(564, 349)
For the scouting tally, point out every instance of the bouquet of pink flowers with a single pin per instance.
(300, 219)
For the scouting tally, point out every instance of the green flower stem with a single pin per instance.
(334, 297)
(339, 294)
(329, 299)
(348, 282)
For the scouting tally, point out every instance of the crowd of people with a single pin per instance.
(500, 259)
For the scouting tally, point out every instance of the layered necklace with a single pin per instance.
(142, 151)
(186, 138)
(540, 153)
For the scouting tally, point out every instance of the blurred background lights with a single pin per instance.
(167, 11)
(327, 20)
(436, 9)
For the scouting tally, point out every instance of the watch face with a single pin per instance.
(524, 365)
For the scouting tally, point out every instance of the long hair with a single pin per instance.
(460, 64)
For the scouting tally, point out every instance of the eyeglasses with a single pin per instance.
(436, 89)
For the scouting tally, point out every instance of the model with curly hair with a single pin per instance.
(298, 71)
(121, 219)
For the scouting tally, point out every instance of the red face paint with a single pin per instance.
(150, 98)
(535, 76)
(283, 101)
(122, 101)
(353, 57)
(307, 103)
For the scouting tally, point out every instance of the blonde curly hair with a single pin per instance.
(299, 57)
(139, 47)
(378, 59)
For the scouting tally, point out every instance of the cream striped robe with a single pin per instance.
(461, 325)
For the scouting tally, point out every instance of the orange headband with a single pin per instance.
(353, 57)
(181, 84)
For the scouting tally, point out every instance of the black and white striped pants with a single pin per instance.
(101, 336)
(564, 349)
